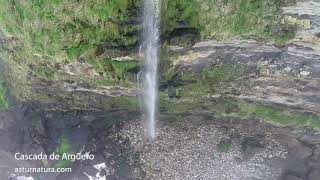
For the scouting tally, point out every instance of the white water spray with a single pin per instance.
(150, 47)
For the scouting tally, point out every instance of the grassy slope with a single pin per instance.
(4, 103)
(176, 11)
(63, 148)
(225, 19)
(257, 19)
(63, 30)
(42, 33)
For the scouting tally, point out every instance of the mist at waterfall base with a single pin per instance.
(150, 48)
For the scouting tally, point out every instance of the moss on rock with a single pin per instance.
(4, 102)
(41, 36)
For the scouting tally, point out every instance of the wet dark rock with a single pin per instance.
(8, 163)
(316, 155)
(32, 130)
(83, 177)
(310, 140)
(297, 166)
(296, 162)
(314, 160)
(299, 150)
(183, 36)
(292, 177)
(252, 145)
(172, 93)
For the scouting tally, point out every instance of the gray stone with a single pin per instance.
(316, 155)
(305, 73)
(309, 140)
(273, 75)
(296, 165)
(292, 177)
(314, 174)
(288, 69)
(299, 150)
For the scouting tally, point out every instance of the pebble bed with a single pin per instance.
(189, 151)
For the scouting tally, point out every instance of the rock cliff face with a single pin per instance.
(281, 67)
(287, 76)
(251, 71)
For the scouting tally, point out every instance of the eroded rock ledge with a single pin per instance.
(288, 76)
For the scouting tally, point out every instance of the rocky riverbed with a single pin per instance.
(188, 146)
(198, 146)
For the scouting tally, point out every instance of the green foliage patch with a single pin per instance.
(257, 19)
(42, 33)
(114, 71)
(228, 107)
(44, 72)
(174, 12)
(223, 147)
(64, 30)
(231, 107)
(225, 72)
(284, 36)
(4, 103)
(64, 147)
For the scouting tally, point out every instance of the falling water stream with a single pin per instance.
(150, 46)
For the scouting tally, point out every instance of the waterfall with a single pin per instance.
(150, 48)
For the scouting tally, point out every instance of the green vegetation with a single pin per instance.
(65, 30)
(64, 147)
(223, 147)
(224, 19)
(278, 115)
(207, 81)
(201, 91)
(114, 72)
(64, 101)
(236, 108)
(183, 105)
(44, 72)
(200, 86)
(4, 103)
(130, 103)
(223, 73)
(256, 19)
(226, 72)
(284, 36)
(40, 34)
(118, 68)
(174, 12)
